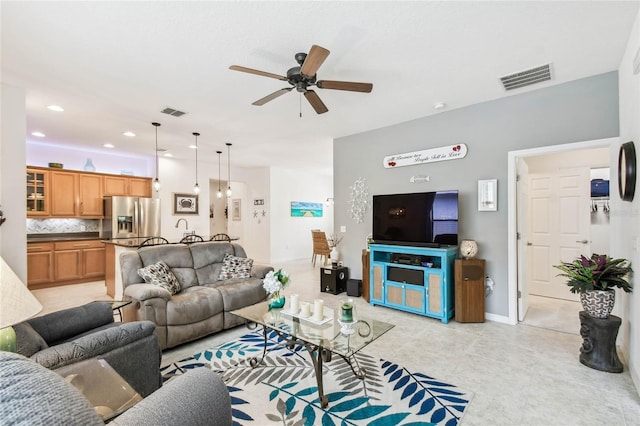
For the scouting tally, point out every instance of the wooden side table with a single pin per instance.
(469, 291)
(365, 275)
(598, 349)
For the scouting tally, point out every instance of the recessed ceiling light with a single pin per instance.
(38, 134)
(168, 154)
(108, 145)
(129, 133)
(193, 147)
(56, 108)
(439, 105)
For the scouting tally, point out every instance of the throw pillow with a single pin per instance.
(160, 274)
(235, 267)
(28, 341)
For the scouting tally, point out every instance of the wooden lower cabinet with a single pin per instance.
(39, 264)
(62, 263)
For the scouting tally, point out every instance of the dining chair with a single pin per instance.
(221, 237)
(191, 238)
(153, 241)
(320, 245)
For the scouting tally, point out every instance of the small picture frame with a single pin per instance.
(488, 195)
(235, 209)
(185, 203)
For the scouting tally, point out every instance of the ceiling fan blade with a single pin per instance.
(315, 101)
(257, 72)
(345, 85)
(315, 58)
(272, 96)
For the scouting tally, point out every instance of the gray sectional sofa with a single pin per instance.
(202, 305)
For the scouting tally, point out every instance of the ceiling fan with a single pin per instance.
(303, 77)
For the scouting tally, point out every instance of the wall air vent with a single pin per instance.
(527, 78)
(174, 112)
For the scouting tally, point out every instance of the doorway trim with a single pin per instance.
(512, 212)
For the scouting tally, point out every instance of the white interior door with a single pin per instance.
(559, 212)
(524, 257)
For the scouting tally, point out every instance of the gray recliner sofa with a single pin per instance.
(61, 339)
(33, 395)
(203, 304)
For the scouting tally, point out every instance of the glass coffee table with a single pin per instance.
(321, 338)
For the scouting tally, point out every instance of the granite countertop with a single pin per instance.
(63, 236)
(125, 242)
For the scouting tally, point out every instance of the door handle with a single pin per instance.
(529, 243)
(582, 241)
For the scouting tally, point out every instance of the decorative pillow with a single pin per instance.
(160, 274)
(235, 267)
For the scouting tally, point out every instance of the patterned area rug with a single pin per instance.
(283, 389)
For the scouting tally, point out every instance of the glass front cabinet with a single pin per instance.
(37, 192)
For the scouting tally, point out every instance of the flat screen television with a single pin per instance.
(427, 219)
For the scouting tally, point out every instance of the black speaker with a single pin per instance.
(354, 287)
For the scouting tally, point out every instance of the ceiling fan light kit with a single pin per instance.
(303, 77)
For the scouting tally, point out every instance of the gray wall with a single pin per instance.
(581, 110)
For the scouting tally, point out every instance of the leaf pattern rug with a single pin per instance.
(283, 390)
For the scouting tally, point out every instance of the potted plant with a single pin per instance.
(594, 279)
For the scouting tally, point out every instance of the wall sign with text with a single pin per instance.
(444, 153)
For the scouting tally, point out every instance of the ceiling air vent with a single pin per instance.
(173, 112)
(527, 78)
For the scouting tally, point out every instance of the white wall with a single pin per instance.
(626, 223)
(13, 233)
(256, 230)
(105, 161)
(291, 236)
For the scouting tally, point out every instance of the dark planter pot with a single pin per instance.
(598, 303)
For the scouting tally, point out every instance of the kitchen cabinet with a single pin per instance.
(64, 262)
(127, 186)
(39, 264)
(90, 195)
(78, 260)
(37, 193)
(69, 193)
(63, 194)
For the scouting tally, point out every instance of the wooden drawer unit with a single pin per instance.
(39, 264)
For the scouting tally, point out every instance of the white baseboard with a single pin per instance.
(497, 318)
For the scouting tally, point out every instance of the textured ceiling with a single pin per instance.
(114, 65)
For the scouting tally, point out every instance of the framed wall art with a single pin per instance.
(306, 209)
(236, 205)
(185, 203)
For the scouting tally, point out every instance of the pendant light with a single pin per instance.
(228, 170)
(156, 182)
(196, 187)
(219, 194)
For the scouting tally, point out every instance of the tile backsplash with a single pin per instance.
(55, 226)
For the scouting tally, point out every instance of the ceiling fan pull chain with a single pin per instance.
(300, 99)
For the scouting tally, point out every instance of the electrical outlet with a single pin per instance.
(83, 228)
(343, 228)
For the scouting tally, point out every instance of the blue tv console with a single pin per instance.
(413, 279)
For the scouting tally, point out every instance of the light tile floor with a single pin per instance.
(521, 375)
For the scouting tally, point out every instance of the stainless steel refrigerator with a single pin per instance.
(131, 217)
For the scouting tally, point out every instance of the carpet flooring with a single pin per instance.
(283, 389)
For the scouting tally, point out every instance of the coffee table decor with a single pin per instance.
(284, 391)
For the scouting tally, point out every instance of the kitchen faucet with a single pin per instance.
(186, 224)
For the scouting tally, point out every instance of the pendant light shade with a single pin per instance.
(196, 187)
(156, 181)
(219, 194)
(229, 170)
